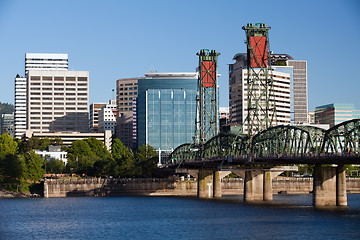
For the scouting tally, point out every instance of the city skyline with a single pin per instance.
(111, 41)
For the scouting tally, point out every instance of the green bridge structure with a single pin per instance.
(260, 158)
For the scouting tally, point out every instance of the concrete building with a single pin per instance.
(33, 61)
(46, 61)
(166, 110)
(126, 93)
(94, 116)
(296, 69)
(335, 113)
(238, 93)
(107, 117)
(311, 117)
(57, 101)
(69, 137)
(7, 124)
(20, 117)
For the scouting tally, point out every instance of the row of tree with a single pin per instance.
(20, 166)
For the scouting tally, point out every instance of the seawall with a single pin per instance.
(171, 187)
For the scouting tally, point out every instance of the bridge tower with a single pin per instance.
(260, 99)
(206, 122)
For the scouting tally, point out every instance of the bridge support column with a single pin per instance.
(268, 195)
(205, 183)
(329, 186)
(341, 196)
(218, 175)
(254, 185)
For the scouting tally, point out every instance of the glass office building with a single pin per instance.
(166, 109)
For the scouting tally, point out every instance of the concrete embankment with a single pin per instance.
(171, 187)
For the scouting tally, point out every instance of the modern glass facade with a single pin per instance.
(335, 113)
(166, 109)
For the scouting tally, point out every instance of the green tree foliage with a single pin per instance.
(124, 158)
(98, 148)
(12, 172)
(54, 166)
(8, 145)
(34, 164)
(146, 161)
(44, 143)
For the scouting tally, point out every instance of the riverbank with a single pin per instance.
(10, 194)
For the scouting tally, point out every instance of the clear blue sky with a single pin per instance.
(119, 39)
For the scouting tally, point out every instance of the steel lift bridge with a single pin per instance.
(263, 149)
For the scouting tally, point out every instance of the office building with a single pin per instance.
(46, 61)
(166, 110)
(57, 101)
(238, 93)
(224, 116)
(335, 113)
(20, 117)
(94, 116)
(107, 117)
(33, 61)
(7, 124)
(126, 93)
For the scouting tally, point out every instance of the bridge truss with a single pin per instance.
(303, 144)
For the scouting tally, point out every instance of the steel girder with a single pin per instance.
(282, 140)
(343, 138)
(224, 145)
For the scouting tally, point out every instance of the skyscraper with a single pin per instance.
(33, 61)
(166, 110)
(238, 93)
(46, 61)
(20, 106)
(57, 101)
(290, 98)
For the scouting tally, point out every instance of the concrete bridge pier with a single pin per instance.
(329, 186)
(205, 183)
(254, 185)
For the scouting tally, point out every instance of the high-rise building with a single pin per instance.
(335, 113)
(94, 116)
(33, 61)
(280, 97)
(20, 106)
(299, 90)
(46, 61)
(166, 110)
(107, 117)
(7, 124)
(126, 93)
(57, 101)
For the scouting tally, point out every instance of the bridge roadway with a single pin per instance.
(262, 157)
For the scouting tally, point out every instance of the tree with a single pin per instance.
(12, 172)
(146, 161)
(80, 157)
(55, 166)
(124, 158)
(8, 145)
(34, 165)
(97, 147)
(44, 143)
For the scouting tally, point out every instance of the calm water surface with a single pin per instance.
(175, 218)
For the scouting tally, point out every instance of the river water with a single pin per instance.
(291, 217)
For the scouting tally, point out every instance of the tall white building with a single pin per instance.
(107, 117)
(33, 61)
(57, 101)
(20, 106)
(46, 61)
(238, 93)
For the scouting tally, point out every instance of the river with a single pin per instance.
(291, 217)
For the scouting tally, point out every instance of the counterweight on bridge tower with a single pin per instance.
(206, 99)
(260, 100)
